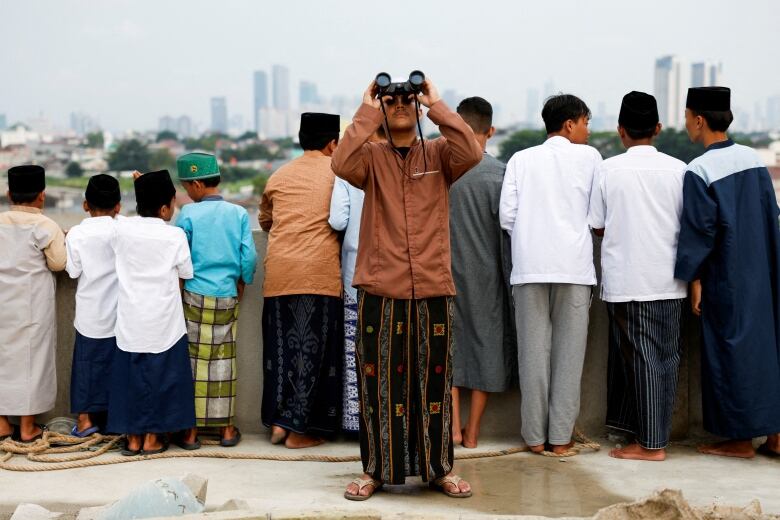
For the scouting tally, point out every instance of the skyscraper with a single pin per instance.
(307, 94)
(261, 95)
(670, 89)
(705, 74)
(281, 79)
(219, 115)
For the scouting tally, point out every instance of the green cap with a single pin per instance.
(196, 166)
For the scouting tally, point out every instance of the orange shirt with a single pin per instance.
(303, 250)
(404, 249)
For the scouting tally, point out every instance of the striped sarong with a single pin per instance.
(644, 359)
(404, 361)
(211, 328)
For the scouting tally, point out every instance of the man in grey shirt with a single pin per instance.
(485, 351)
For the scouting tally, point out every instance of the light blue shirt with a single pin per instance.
(221, 246)
(346, 206)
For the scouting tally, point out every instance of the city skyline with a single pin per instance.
(106, 61)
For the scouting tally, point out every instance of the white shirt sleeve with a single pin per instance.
(339, 206)
(597, 212)
(183, 259)
(73, 263)
(507, 208)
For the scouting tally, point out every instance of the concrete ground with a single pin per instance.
(509, 485)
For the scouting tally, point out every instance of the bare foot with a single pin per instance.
(469, 440)
(278, 434)
(560, 449)
(637, 452)
(538, 448)
(738, 449)
(457, 437)
(297, 441)
(6, 428)
(365, 491)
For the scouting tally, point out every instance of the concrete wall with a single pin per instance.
(503, 414)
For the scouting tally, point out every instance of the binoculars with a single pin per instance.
(413, 85)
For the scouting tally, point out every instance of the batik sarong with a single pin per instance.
(404, 359)
(644, 360)
(350, 417)
(211, 328)
(303, 345)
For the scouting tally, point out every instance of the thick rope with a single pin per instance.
(85, 451)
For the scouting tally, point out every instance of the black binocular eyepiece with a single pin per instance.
(413, 85)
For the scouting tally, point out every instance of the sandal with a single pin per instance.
(163, 449)
(361, 483)
(439, 483)
(189, 446)
(233, 441)
(127, 452)
(36, 438)
(85, 433)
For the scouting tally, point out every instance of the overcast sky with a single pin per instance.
(128, 62)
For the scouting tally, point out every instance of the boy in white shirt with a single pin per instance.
(636, 205)
(91, 260)
(151, 382)
(544, 207)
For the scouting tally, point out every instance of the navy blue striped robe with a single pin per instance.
(730, 240)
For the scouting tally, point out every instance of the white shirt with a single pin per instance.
(150, 258)
(346, 208)
(91, 260)
(637, 197)
(544, 207)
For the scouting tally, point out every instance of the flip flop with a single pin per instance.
(155, 452)
(128, 452)
(189, 446)
(11, 435)
(764, 450)
(233, 441)
(361, 483)
(438, 485)
(85, 433)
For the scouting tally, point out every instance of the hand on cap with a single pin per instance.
(429, 94)
(369, 96)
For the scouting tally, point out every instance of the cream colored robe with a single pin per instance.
(31, 247)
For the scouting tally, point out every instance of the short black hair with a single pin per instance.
(717, 120)
(635, 134)
(96, 208)
(477, 113)
(24, 198)
(560, 108)
(316, 142)
(209, 182)
(152, 209)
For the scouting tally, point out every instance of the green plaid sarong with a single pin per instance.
(211, 331)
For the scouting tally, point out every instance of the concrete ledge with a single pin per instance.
(503, 413)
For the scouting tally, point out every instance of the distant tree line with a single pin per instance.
(671, 142)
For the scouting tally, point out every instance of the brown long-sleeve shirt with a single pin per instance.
(303, 250)
(404, 249)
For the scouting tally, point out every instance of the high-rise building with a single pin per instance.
(532, 109)
(773, 113)
(307, 94)
(219, 115)
(670, 89)
(281, 94)
(3, 122)
(82, 123)
(184, 126)
(705, 74)
(261, 95)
